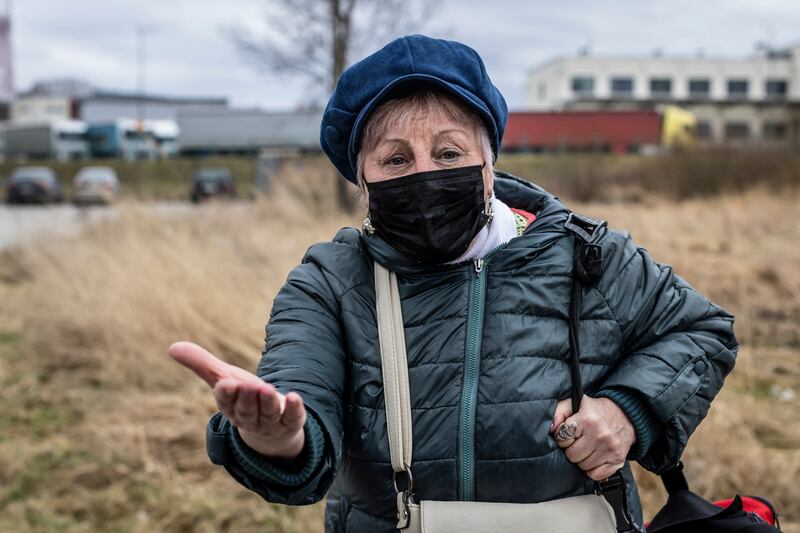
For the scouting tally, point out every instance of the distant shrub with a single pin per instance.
(676, 176)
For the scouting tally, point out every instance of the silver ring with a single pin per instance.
(566, 430)
(409, 481)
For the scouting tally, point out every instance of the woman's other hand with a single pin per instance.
(269, 422)
(602, 435)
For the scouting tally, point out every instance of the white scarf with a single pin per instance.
(499, 231)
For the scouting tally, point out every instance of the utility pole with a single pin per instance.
(6, 62)
(141, 61)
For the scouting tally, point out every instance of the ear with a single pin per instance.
(488, 180)
(363, 197)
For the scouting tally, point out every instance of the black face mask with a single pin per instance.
(429, 216)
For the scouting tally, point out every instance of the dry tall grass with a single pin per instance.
(677, 176)
(99, 430)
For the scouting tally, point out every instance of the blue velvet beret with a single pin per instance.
(399, 67)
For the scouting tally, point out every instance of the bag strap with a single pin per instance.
(587, 271)
(394, 365)
(396, 393)
(674, 480)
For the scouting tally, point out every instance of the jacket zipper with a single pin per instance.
(469, 390)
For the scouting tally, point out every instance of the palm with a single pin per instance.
(268, 421)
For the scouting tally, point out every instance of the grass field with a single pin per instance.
(100, 430)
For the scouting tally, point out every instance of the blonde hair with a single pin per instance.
(406, 109)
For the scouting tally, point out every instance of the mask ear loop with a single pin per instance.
(488, 209)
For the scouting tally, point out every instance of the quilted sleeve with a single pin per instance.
(677, 346)
(304, 353)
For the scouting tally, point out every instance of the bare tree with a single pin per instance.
(316, 39)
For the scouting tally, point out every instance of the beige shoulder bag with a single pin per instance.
(578, 514)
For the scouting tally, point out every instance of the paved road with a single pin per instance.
(18, 223)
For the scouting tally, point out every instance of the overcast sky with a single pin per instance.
(188, 53)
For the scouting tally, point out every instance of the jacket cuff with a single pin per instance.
(641, 416)
(288, 473)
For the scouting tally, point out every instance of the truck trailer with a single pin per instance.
(617, 132)
(63, 140)
(133, 139)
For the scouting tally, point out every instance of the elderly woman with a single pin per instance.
(485, 269)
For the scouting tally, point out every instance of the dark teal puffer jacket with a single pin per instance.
(649, 342)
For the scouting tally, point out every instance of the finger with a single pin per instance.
(294, 414)
(246, 407)
(569, 431)
(592, 461)
(200, 361)
(269, 404)
(581, 449)
(225, 392)
(563, 411)
(604, 471)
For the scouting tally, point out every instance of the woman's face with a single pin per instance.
(431, 142)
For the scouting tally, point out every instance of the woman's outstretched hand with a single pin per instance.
(601, 437)
(269, 422)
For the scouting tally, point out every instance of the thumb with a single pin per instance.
(563, 411)
(200, 361)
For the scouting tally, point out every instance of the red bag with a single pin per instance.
(686, 512)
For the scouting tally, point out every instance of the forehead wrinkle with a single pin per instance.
(423, 129)
(409, 115)
(448, 134)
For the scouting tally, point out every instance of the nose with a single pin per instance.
(423, 162)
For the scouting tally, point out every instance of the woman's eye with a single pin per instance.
(396, 160)
(450, 154)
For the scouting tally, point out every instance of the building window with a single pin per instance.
(699, 88)
(541, 91)
(737, 131)
(776, 89)
(704, 130)
(622, 87)
(737, 89)
(775, 131)
(660, 87)
(583, 86)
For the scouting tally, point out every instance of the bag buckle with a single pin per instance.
(613, 490)
(404, 498)
(403, 512)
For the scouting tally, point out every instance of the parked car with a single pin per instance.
(211, 182)
(33, 185)
(95, 185)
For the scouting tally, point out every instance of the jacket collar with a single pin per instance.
(514, 192)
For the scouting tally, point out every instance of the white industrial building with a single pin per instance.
(37, 109)
(743, 99)
(66, 98)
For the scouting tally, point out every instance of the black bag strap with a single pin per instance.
(587, 270)
(674, 480)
